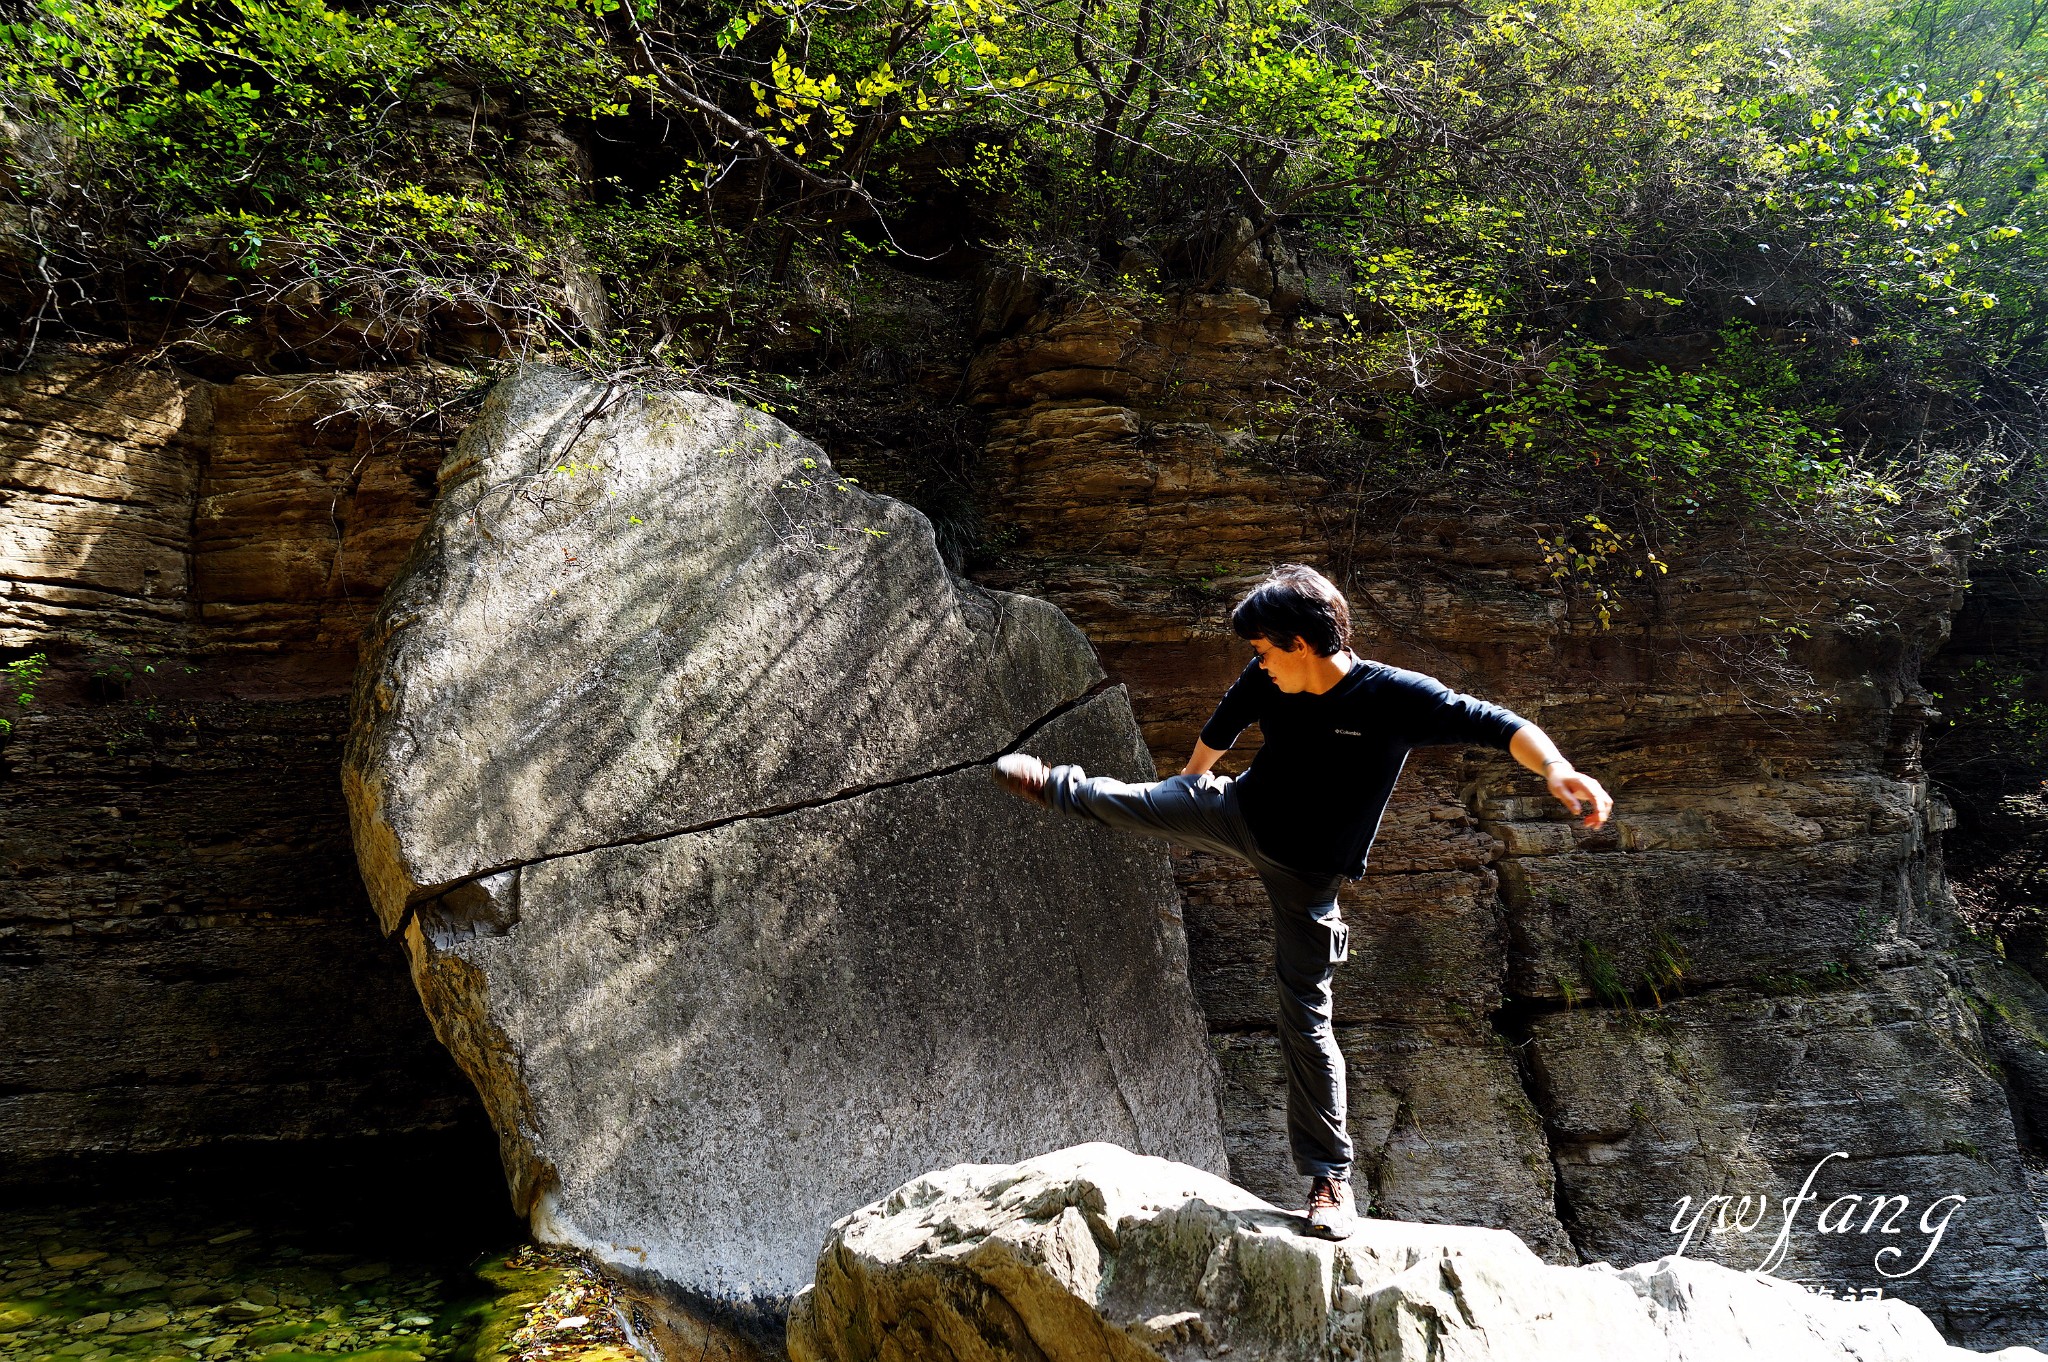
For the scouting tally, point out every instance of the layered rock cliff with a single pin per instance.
(1558, 1031)
(186, 951)
(1754, 965)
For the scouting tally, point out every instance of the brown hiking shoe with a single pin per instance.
(1331, 1213)
(1025, 776)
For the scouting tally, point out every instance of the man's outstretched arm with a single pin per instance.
(1432, 714)
(1532, 747)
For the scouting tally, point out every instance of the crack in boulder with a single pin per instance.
(436, 892)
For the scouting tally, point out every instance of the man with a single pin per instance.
(1337, 729)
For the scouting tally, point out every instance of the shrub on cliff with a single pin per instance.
(1554, 202)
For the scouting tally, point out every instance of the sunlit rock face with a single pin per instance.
(668, 757)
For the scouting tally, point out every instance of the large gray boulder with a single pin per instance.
(1095, 1253)
(668, 758)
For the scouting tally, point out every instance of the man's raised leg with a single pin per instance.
(1193, 810)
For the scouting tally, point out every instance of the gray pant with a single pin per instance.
(1310, 939)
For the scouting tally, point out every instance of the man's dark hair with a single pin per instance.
(1294, 601)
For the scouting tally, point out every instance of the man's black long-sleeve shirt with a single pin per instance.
(1317, 789)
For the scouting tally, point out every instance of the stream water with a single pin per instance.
(391, 1254)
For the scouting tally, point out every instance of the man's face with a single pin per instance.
(1288, 666)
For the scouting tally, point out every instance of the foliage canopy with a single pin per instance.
(1545, 199)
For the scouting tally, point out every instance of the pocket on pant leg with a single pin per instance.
(1340, 939)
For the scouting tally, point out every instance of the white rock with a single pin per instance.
(1094, 1252)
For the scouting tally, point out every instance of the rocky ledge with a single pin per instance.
(1096, 1253)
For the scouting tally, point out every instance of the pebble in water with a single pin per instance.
(104, 1286)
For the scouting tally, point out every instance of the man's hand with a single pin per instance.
(1582, 794)
(1576, 791)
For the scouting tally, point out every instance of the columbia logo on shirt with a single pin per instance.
(1348, 732)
